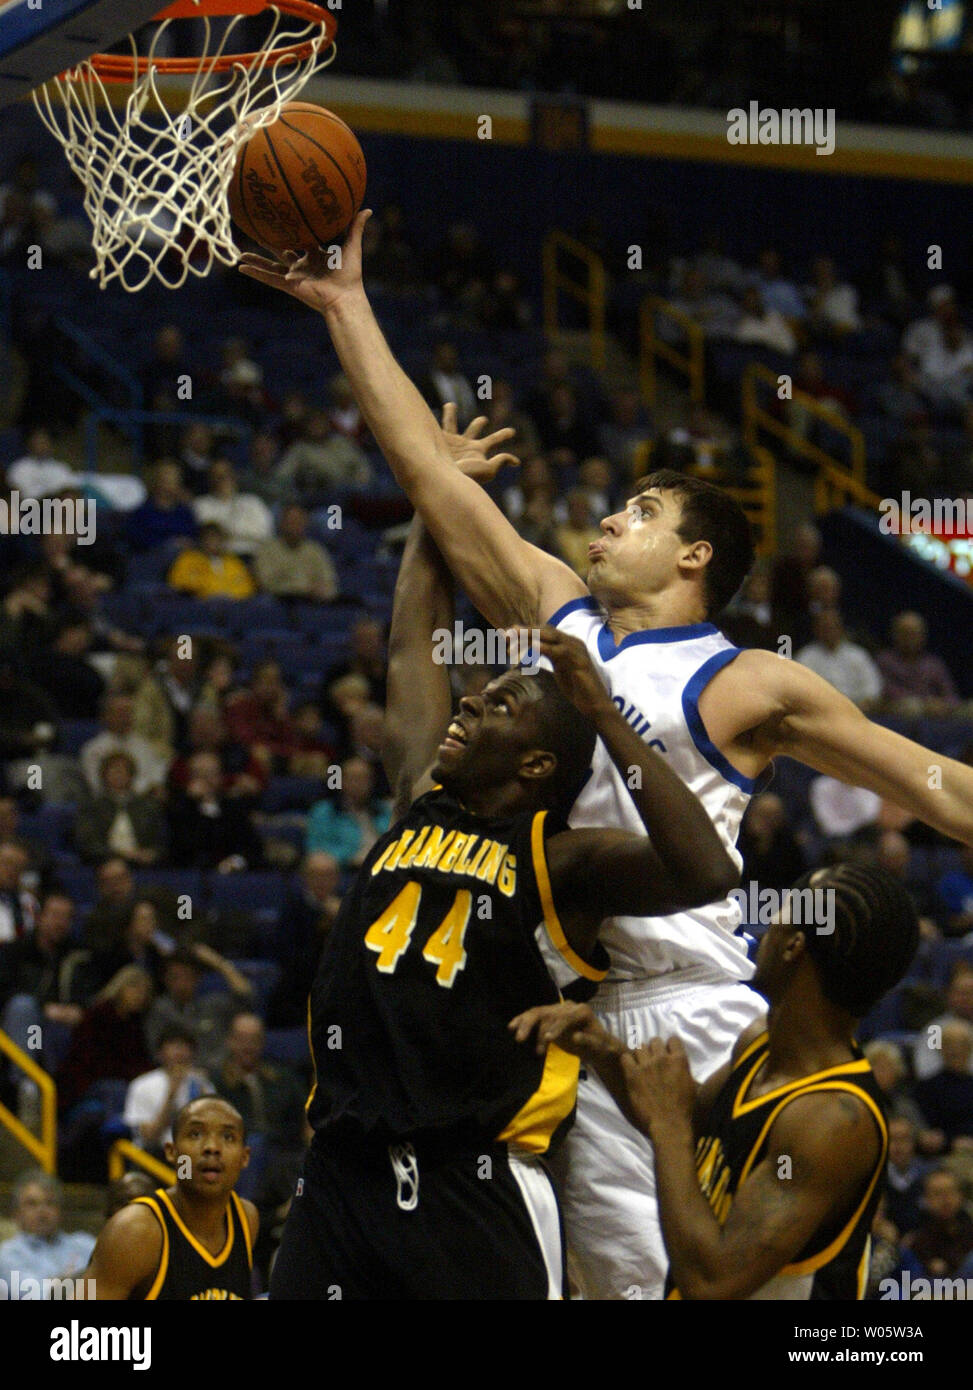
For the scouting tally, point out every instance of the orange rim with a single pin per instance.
(119, 67)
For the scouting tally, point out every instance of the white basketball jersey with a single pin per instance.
(655, 677)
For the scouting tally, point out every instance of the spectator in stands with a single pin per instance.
(776, 290)
(307, 915)
(165, 371)
(502, 412)
(944, 1237)
(596, 481)
(503, 306)
(34, 986)
(705, 436)
(260, 475)
(367, 659)
(749, 619)
(566, 434)
(258, 717)
(946, 370)
(810, 379)
(445, 381)
(763, 327)
(534, 479)
(946, 1098)
(893, 856)
(269, 1097)
(888, 1258)
(196, 456)
(143, 942)
(915, 680)
(626, 435)
(461, 267)
(715, 313)
(154, 1099)
(209, 1014)
(927, 1055)
(772, 857)
(954, 892)
(107, 1045)
(245, 518)
(40, 875)
(832, 304)
(321, 460)
(290, 565)
(27, 620)
(344, 411)
(125, 1189)
(41, 1250)
(24, 204)
(892, 1078)
(898, 397)
(119, 821)
(891, 286)
(37, 473)
(243, 774)
(843, 663)
(393, 261)
(313, 754)
(74, 687)
(118, 736)
(574, 535)
(538, 523)
(28, 719)
(112, 911)
(347, 830)
(342, 700)
(924, 335)
(18, 907)
(165, 696)
(208, 830)
(166, 515)
(210, 570)
(906, 1173)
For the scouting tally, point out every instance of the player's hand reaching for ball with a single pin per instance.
(310, 278)
(472, 451)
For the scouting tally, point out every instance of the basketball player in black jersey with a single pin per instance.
(423, 1178)
(770, 1172)
(193, 1240)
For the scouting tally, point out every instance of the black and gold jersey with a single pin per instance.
(187, 1270)
(435, 949)
(834, 1263)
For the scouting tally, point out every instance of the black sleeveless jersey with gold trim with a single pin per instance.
(834, 1263)
(187, 1270)
(435, 949)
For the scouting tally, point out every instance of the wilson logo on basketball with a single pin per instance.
(320, 190)
(264, 209)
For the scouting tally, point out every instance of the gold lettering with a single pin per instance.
(452, 854)
(428, 857)
(464, 866)
(508, 875)
(479, 856)
(381, 861)
(393, 863)
(491, 864)
(413, 849)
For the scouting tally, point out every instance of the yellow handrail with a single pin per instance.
(835, 487)
(651, 346)
(758, 498)
(755, 418)
(590, 293)
(44, 1149)
(123, 1149)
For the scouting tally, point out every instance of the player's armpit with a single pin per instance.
(127, 1254)
(820, 1157)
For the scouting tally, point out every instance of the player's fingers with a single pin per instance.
(505, 460)
(449, 417)
(498, 436)
(675, 1048)
(524, 1023)
(475, 428)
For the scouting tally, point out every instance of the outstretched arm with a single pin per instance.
(419, 696)
(763, 705)
(511, 582)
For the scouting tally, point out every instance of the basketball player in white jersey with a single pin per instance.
(664, 567)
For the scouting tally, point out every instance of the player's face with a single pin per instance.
(486, 740)
(637, 553)
(211, 1137)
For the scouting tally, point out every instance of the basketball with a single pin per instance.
(298, 183)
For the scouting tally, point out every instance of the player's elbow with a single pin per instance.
(713, 879)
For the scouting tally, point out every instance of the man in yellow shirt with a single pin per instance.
(209, 570)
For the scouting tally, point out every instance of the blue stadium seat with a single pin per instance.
(291, 794)
(288, 1045)
(264, 975)
(182, 882)
(77, 880)
(247, 892)
(50, 825)
(74, 733)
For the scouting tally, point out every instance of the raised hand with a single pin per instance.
(309, 278)
(471, 453)
(575, 672)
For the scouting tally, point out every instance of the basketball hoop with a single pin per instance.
(156, 158)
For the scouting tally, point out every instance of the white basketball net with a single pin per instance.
(156, 179)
